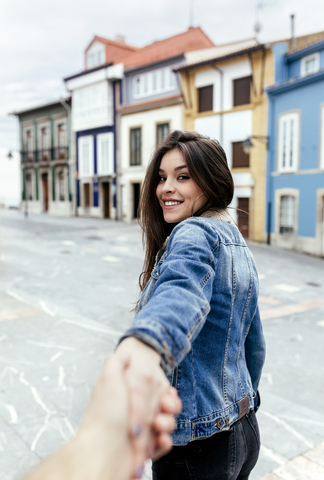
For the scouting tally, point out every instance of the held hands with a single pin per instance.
(153, 403)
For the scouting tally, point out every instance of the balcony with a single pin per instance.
(45, 155)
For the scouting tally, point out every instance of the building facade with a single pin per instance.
(45, 158)
(151, 108)
(224, 99)
(95, 92)
(295, 176)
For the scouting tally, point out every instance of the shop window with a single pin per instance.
(287, 214)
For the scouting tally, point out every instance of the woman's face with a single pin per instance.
(176, 191)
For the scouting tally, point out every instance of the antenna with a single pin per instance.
(191, 13)
(258, 25)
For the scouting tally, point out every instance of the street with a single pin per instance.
(67, 289)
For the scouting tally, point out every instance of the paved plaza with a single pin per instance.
(67, 288)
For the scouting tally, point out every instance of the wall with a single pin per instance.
(147, 121)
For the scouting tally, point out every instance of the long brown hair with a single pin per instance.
(207, 165)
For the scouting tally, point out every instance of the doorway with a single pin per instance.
(45, 191)
(243, 216)
(136, 197)
(86, 195)
(106, 199)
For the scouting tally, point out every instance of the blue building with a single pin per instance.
(295, 164)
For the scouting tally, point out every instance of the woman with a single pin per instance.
(198, 315)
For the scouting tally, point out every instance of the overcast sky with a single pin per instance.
(42, 41)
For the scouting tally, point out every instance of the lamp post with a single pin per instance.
(10, 157)
(247, 145)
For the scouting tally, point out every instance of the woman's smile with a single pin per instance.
(177, 192)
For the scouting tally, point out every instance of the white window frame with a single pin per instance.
(288, 146)
(96, 55)
(105, 137)
(84, 140)
(289, 203)
(283, 192)
(146, 80)
(314, 56)
(322, 138)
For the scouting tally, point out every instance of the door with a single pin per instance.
(243, 216)
(106, 198)
(45, 191)
(136, 197)
(86, 195)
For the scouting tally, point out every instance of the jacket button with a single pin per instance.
(219, 424)
(157, 274)
(227, 420)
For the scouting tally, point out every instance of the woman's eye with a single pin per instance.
(183, 177)
(162, 179)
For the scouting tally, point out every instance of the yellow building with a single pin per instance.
(224, 98)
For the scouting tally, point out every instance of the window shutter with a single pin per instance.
(239, 158)
(205, 98)
(241, 91)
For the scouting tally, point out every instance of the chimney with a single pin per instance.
(293, 38)
(120, 38)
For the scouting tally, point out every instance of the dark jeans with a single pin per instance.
(227, 455)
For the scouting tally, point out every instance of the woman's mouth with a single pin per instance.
(170, 204)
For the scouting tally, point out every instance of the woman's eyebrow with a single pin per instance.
(177, 168)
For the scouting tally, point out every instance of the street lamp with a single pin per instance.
(248, 144)
(10, 157)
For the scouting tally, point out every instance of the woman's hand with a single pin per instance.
(152, 401)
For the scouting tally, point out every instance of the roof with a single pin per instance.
(302, 41)
(86, 72)
(114, 43)
(221, 57)
(193, 39)
(296, 82)
(220, 50)
(43, 106)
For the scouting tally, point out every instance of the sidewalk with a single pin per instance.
(309, 466)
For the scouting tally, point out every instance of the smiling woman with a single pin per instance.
(198, 311)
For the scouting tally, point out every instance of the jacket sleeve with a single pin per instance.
(255, 350)
(176, 312)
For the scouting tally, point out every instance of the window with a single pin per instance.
(309, 64)
(92, 103)
(239, 157)
(162, 131)
(96, 55)
(154, 82)
(61, 185)
(105, 153)
(205, 98)
(242, 91)
(61, 140)
(85, 150)
(29, 147)
(135, 146)
(287, 206)
(288, 142)
(45, 144)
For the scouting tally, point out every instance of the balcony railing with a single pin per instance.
(45, 154)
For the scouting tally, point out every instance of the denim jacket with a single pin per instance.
(200, 312)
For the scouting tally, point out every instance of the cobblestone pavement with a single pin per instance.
(66, 290)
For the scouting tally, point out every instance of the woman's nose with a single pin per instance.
(168, 186)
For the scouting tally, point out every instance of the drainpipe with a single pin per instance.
(293, 38)
(71, 156)
(221, 103)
